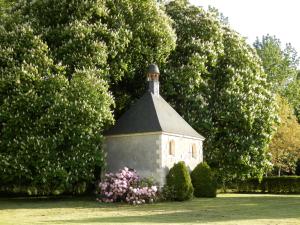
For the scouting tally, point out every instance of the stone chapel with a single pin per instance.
(151, 136)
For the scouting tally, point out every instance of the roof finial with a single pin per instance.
(153, 79)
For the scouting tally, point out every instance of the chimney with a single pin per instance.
(153, 79)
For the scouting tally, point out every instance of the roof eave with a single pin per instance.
(153, 133)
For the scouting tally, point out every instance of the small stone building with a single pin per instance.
(151, 136)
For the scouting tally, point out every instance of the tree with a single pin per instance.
(292, 93)
(279, 64)
(118, 37)
(151, 39)
(281, 67)
(214, 79)
(50, 128)
(76, 37)
(285, 144)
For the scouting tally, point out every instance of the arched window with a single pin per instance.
(172, 147)
(194, 151)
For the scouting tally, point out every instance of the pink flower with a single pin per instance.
(154, 188)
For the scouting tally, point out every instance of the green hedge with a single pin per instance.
(249, 186)
(23, 190)
(275, 185)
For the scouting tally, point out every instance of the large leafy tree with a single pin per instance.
(285, 144)
(281, 67)
(151, 41)
(50, 128)
(73, 31)
(215, 80)
(120, 38)
(279, 64)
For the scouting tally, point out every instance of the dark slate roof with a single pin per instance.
(151, 114)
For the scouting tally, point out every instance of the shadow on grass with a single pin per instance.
(51, 203)
(180, 218)
(241, 207)
(205, 210)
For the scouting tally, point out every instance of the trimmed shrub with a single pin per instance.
(126, 186)
(283, 184)
(249, 186)
(179, 185)
(274, 185)
(203, 181)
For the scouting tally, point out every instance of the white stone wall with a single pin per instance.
(183, 151)
(149, 153)
(138, 151)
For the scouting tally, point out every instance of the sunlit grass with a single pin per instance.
(225, 209)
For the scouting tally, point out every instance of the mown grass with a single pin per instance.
(225, 209)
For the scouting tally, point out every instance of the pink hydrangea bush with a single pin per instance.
(126, 186)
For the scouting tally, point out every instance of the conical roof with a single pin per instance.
(151, 113)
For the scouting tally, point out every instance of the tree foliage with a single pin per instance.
(215, 80)
(292, 93)
(279, 64)
(285, 144)
(4, 4)
(150, 40)
(281, 67)
(120, 38)
(50, 128)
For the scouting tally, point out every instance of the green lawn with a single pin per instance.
(225, 209)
